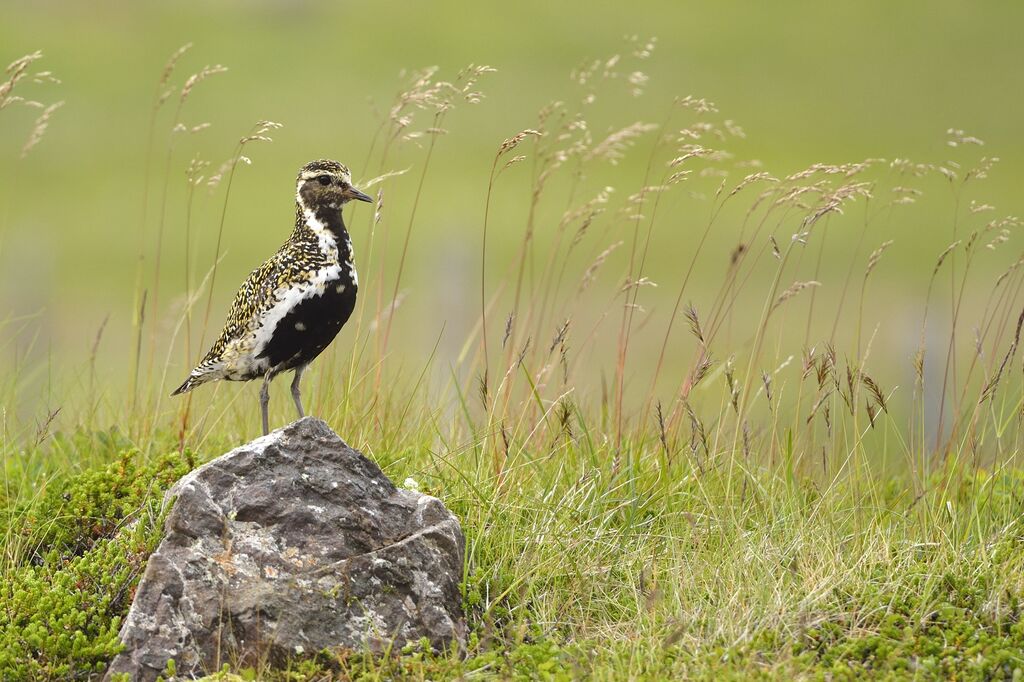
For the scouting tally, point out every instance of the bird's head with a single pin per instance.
(326, 184)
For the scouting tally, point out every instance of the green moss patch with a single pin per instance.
(78, 553)
(948, 626)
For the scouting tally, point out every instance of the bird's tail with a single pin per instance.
(190, 383)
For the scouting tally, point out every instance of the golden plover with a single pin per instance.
(290, 308)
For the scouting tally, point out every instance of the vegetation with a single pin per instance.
(711, 456)
(81, 549)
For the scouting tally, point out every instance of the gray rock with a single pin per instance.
(290, 544)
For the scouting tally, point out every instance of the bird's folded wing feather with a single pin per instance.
(253, 298)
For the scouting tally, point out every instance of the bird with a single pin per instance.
(291, 307)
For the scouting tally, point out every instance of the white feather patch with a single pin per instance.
(287, 298)
(241, 356)
(328, 244)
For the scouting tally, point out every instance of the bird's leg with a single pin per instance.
(296, 395)
(265, 400)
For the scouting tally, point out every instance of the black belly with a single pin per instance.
(305, 331)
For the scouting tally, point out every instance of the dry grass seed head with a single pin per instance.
(482, 388)
(919, 366)
(827, 366)
(734, 257)
(832, 202)
(907, 167)
(818, 404)
(766, 380)
(958, 138)
(698, 435)
(467, 78)
(613, 148)
(591, 272)
(875, 391)
(905, 195)
(172, 62)
(560, 334)
(637, 283)
(750, 179)
(871, 413)
(808, 362)
(1001, 238)
(513, 142)
(694, 321)
(198, 77)
(736, 131)
(689, 151)
(642, 49)
(164, 91)
(511, 162)
(730, 382)
(16, 71)
(1009, 271)
(425, 93)
(259, 132)
(193, 174)
(39, 129)
(586, 213)
(697, 104)
(698, 130)
(701, 370)
(875, 256)
(944, 255)
(564, 416)
(678, 176)
(981, 171)
(792, 195)
(662, 435)
(378, 207)
(990, 388)
(637, 79)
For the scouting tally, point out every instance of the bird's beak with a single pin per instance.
(353, 193)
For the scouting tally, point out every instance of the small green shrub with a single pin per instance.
(943, 626)
(84, 547)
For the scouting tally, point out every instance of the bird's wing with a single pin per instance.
(253, 298)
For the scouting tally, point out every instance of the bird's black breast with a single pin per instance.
(308, 328)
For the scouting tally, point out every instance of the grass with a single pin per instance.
(720, 459)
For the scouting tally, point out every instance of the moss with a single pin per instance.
(543, 659)
(936, 626)
(93, 504)
(84, 544)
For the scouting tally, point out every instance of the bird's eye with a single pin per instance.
(324, 180)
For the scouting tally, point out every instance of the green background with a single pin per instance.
(828, 82)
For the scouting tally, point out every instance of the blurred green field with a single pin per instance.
(825, 84)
